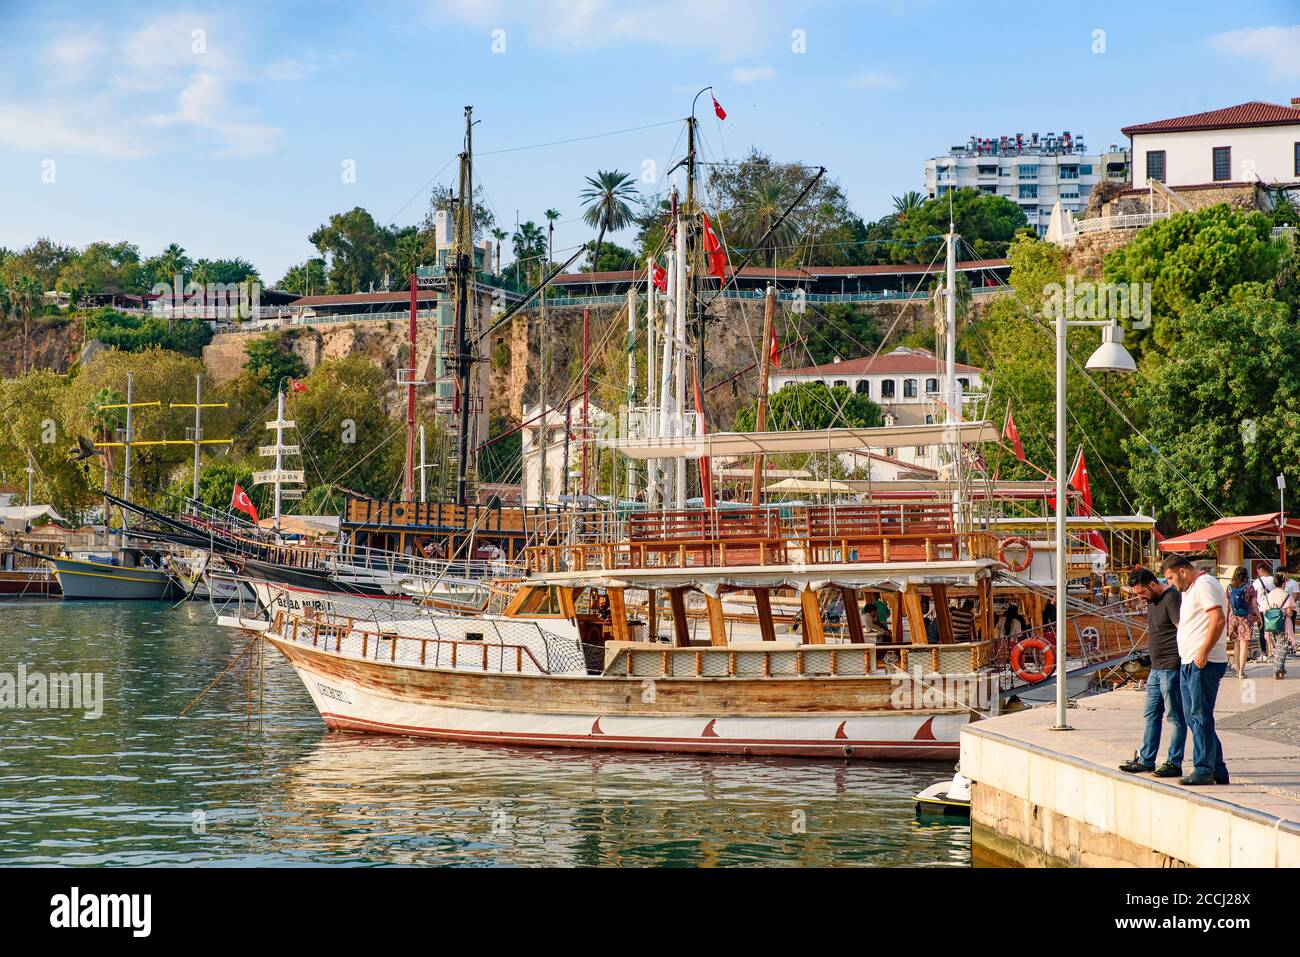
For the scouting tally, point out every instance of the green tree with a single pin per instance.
(357, 248)
(167, 265)
(344, 426)
(305, 279)
(104, 267)
(747, 196)
(502, 461)
(1193, 257)
(607, 203)
(498, 236)
(217, 480)
(907, 204)
(986, 223)
(812, 405)
(30, 425)
(27, 300)
(224, 271)
(529, 248)
(613, 258)
(43, 260)
(270, 361)
(1226, 414)
(842, 330)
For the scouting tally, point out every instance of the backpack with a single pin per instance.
(1273, 619)
(1237, 596)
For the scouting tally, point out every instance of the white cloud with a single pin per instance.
(1279, 47)
(872, 81)
(753, 74)
(726, 29)
(106, 89)
(83, 131)
(204, 105)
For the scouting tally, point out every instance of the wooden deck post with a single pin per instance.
(763, 602)
(852, 614)
(652, 615)
(617, 613)
(681, 633)
(942, 614)
(814, 632)
(911, 599)
(717, 622)
(895, 603)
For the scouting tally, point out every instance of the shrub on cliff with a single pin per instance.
(136, 333)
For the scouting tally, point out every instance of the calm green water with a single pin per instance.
(138, 786)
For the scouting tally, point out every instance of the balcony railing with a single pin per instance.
(1132, 221)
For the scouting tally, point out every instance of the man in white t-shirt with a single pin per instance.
(1202, 649)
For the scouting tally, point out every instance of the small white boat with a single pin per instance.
(946, 798)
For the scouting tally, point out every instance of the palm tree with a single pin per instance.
(607, 205)
(27, 296)
(551, 216)
(529, 247)
(909, 202)
(499, 235)
(759, 211)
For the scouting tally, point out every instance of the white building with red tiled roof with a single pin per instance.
(907, 384)
(1239, 145)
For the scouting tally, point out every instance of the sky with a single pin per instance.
(235, 128)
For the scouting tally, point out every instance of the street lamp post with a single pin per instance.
(1111, 356)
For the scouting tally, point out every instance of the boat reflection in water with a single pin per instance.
(427, 802)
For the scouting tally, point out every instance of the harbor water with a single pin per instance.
(250, 776)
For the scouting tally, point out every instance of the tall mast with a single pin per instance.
(631, 377)
(544, 431)
(760, 418)
(463, 278)
(651, 401)
(408, 479)
(680, 336)
(130, 437)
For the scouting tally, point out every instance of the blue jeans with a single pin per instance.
(1164, 696)
(1200, 690)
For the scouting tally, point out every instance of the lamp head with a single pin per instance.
(1111, 356)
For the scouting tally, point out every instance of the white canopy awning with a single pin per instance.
(19, 515)
(719, 444)
(823, 487)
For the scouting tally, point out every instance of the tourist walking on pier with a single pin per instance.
(1164, 691)
(1279, 610)
(1202, 648)
(1243, 617)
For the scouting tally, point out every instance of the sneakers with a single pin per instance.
(1197, 779)
(1221, 778)
(1169, 770)
(1279, 675)
(1136, 766)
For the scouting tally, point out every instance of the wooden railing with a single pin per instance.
(763, 536)
(647, 661)
(346, 637)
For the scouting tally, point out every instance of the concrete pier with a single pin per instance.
(1050, 798)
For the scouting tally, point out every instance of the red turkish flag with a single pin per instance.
(1012, 434)
(660, 278)
(239, 500)
(1079, 482)
(717, 108)
(774, 355)
(713, 249)
(297, 385)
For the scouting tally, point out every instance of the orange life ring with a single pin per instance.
(1018, 659)
(1019, 542)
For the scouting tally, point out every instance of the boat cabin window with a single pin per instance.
(542, 603)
